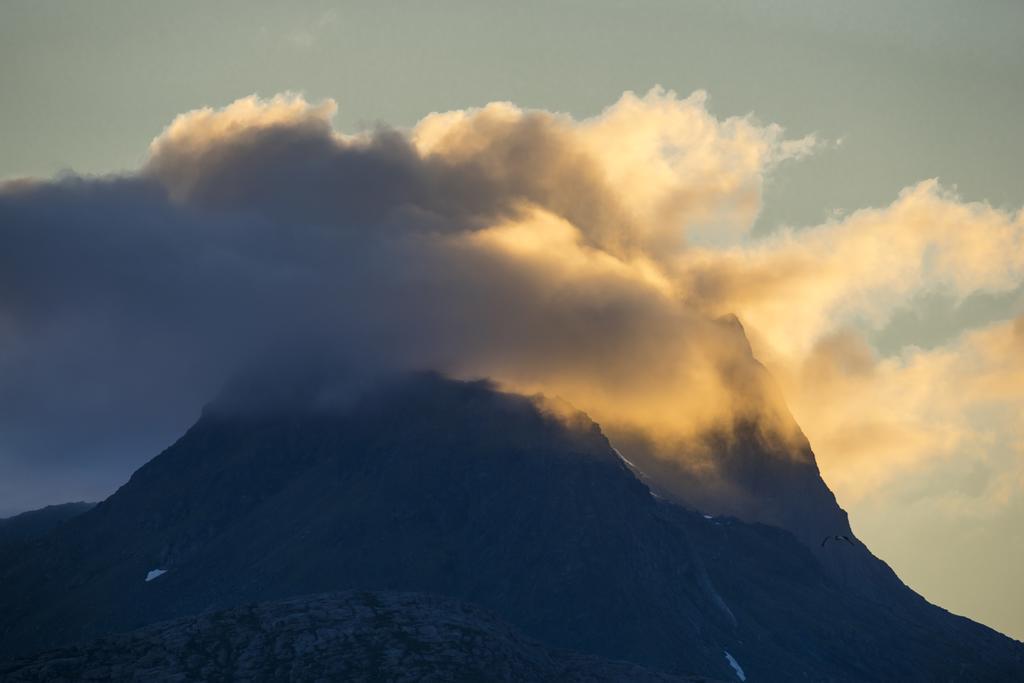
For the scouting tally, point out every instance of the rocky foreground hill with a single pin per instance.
(352, 636)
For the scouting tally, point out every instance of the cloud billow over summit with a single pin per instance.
(588, 259)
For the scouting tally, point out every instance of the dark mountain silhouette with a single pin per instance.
(454, 488)
(763, 478)
(29, 526)
(843, 539)
(355, 636)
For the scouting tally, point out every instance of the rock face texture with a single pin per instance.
(454, 488)
(354, 636)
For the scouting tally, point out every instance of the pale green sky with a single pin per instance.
(912, 89)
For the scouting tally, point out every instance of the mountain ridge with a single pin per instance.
(454, 488)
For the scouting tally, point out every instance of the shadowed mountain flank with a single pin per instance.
(454, 488)
(759, 467)
(34, 524)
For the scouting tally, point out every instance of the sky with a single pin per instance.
(843, 177)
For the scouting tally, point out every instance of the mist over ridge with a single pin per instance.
(595, 260)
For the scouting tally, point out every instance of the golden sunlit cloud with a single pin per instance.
(620, 240)
(597, 260)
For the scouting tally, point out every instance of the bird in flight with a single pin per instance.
(837, 538)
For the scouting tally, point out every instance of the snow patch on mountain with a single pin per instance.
(735, 666)
(155, 574)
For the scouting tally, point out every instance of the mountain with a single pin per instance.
(454, 488)
(29, 526)
(760, 468)
(761, 477)
(354, 636)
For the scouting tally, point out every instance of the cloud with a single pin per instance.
(194, 150)
(810, 298)
(862, 269)
(643, 176)
(877, 420)
(591, 259)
